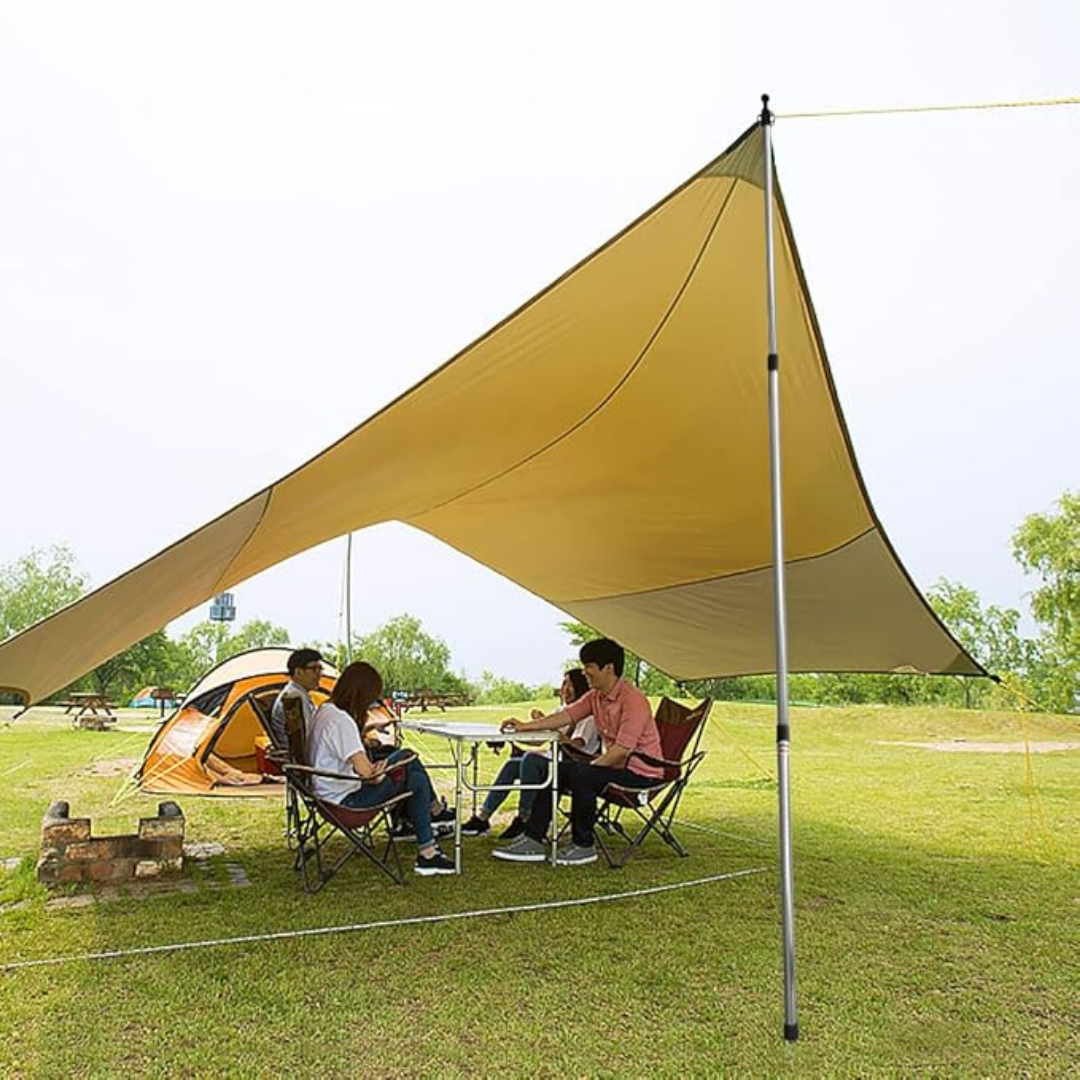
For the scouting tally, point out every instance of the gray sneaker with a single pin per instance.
(575, 856)
(523, 849)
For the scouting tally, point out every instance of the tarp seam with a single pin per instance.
(656, 590)
(610, 395)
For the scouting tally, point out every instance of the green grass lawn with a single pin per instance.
(937, 924)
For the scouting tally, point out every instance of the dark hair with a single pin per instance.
(601, 652)
(301, 658)
(578, 682)
(358, 687)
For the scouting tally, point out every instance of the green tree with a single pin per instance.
(1048, 545)
(407, 657)
(208, 643)
(37, 584)
(154, 661)
(495, 690)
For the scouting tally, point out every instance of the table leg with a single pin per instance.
(554, 803)
(459, 773)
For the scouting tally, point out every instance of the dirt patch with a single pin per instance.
(111, 767)
(965, 746)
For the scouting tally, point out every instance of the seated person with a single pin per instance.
(626, 726)
(225, 775)
(335, 746)
(305, 670)
(531, 766)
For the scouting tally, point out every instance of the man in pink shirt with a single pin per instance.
(628, 740)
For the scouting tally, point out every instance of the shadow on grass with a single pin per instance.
(909, 958)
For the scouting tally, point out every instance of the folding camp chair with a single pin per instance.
(314, 821)
(655, 806)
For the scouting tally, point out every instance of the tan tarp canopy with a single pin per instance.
(605, 447)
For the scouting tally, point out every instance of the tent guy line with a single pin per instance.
(416, 920)
(909, 110)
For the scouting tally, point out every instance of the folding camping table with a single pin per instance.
(465, 740)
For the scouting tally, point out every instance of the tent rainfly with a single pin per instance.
(637, 498)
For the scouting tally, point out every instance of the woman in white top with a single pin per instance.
(531, 767)
(335, 746)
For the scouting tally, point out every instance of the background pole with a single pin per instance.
(348, 599)
(783, 727)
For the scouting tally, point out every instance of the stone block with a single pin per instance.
(147, 868)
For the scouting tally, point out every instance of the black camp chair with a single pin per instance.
(314, 821)
(652, 809)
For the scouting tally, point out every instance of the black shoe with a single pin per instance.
(446, 815)
(514, 829)
(475, 826)
(430, 865)
(403, 830)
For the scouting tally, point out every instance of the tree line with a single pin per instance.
(1044, 668)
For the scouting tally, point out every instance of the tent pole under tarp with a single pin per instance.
(783, 728)
(348, 599)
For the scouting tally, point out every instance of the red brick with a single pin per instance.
(58, 831)
(101, 847)
(168, 848)
(111, 870)
(159, 828)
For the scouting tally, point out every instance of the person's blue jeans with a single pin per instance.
(528, 769)
(418, 807)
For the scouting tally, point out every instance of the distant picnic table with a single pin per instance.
(94, 711)
(427, 700)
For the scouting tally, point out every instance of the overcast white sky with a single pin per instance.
(208, 208)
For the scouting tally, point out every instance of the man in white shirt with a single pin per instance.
(305, 670)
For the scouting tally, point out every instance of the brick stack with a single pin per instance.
(69, 853)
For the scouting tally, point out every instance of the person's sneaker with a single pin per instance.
(437, 863)
(443, 821)
(523, 849)
(514, 829)
(475, 826)
(404, 830)
(575, 856)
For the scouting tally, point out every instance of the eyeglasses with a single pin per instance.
(312, 667)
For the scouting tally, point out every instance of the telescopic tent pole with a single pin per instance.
(348, 599)
(783, 728)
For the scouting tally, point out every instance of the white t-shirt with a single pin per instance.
(586, 731)
(333, 738)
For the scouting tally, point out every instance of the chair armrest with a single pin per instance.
(309, 770)
(660, 763)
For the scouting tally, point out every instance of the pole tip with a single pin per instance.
(791, 1032)
(766, 115)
